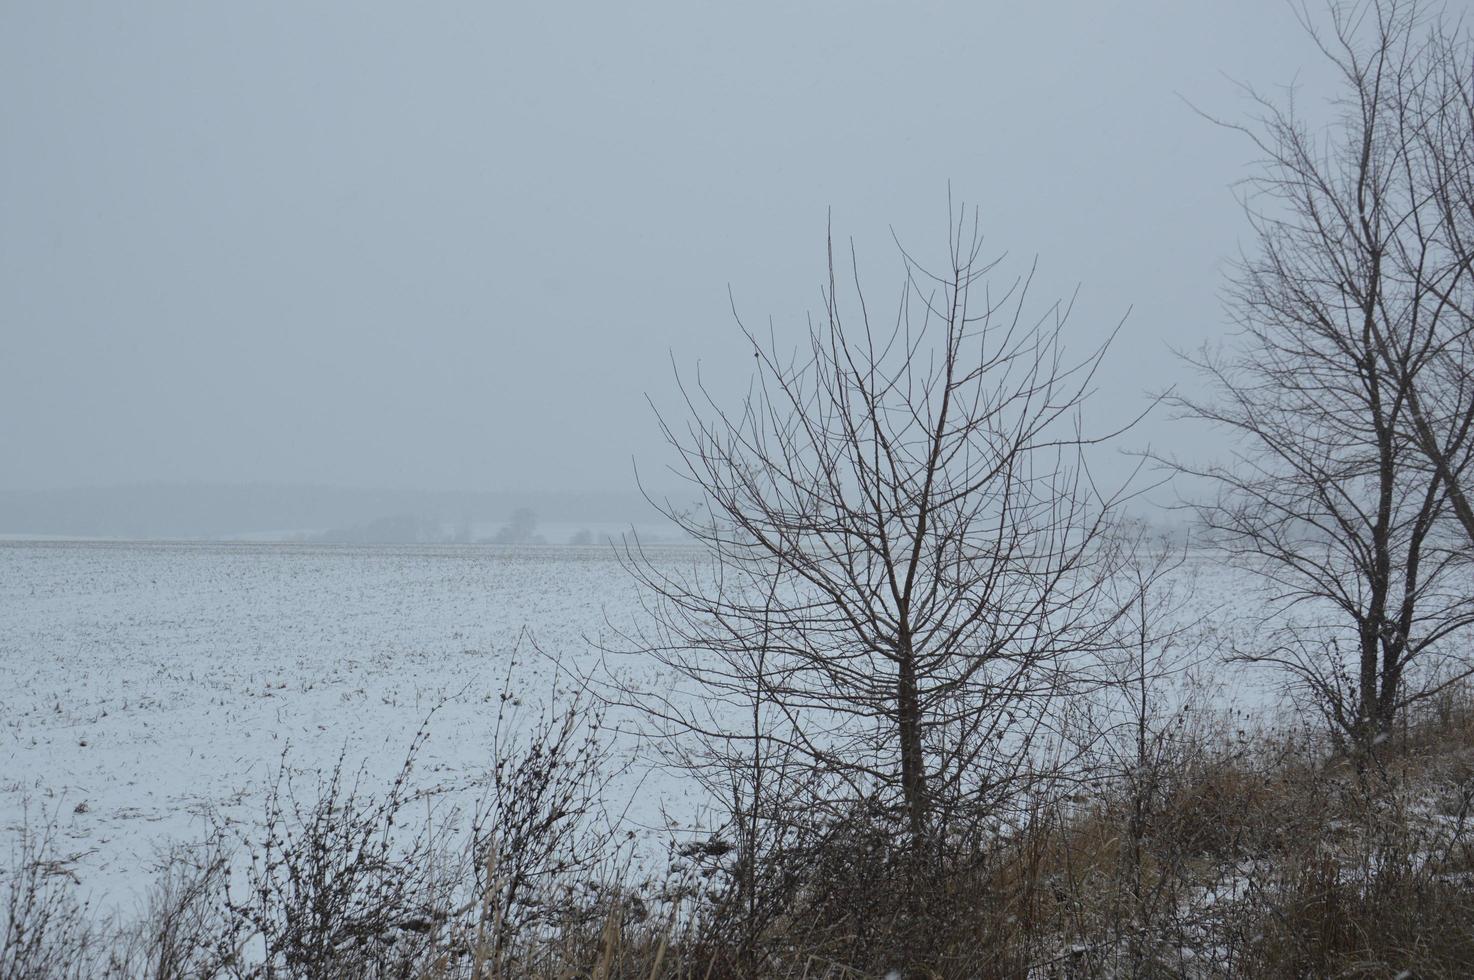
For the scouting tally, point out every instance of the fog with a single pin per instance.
(454, 247)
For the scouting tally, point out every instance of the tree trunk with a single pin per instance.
(1367, 709)
(913, 767)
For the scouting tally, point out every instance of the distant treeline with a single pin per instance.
(520, 528)
(232, 510)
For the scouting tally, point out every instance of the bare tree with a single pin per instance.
(903, 548)
(1328, 495)
(1430, 102)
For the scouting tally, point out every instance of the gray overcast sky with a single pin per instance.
(450, 246)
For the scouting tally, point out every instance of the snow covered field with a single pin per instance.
(145, 684)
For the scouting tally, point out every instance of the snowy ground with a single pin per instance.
(145, 684)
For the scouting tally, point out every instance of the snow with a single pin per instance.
(147, 684)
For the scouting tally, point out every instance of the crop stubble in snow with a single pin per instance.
(152, 682)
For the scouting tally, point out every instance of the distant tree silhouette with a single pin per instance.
(521, 528)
